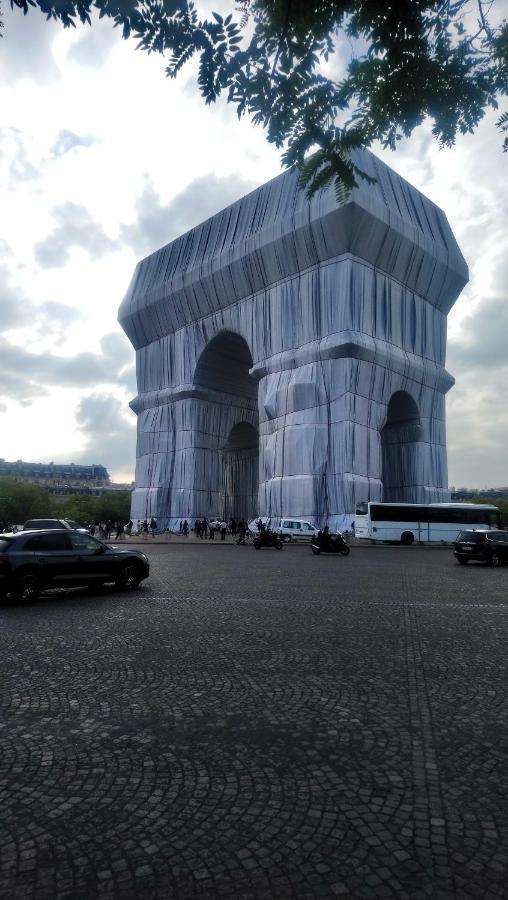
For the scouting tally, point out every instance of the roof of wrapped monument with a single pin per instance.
(275, 232)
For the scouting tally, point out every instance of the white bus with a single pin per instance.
(422, 522)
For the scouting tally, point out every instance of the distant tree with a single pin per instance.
(20, 500)
(411, 59)
(501, 504)
(114, 505)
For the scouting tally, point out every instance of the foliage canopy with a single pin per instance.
(282, 62)
(22, 500)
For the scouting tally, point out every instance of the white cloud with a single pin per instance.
(25, 374)
(109, 430)
(158, 223)
(95, 43)
(103, 159)
(26, 50)
(67, 140)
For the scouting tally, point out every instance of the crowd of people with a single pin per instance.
(117, 531)
(206, 529)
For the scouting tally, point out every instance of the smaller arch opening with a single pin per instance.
(242, 437)
(400, 458)
(402, 409)
(224, 366)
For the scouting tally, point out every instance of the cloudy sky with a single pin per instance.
(103, 160)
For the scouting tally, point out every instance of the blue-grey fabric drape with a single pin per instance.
(302, 319)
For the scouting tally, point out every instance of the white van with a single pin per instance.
(290, 529)
(296, 529)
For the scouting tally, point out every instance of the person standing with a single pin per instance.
(204, 528)
(212, 527)
(153, 526)
(223, 529)
(197, 528)
(185, 528)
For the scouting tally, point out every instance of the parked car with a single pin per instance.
(43, 524)
(289, 529)
(296, 529)
(490, 547)
(33, 561)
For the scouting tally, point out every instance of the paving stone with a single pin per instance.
(259, 725)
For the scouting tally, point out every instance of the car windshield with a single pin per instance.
(471, 537)
(71, 523)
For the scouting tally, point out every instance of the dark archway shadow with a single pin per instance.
(224, 366)
(400, 437)
(241, 472)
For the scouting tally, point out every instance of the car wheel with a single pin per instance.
(278, 545)
(407, 538)
(257, 545)
(463, 562)
(129, 578)
(27, 587)
(495, 559)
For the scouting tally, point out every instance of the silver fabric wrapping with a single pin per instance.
(320, 326)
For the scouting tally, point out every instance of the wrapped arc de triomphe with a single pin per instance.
(290, 355)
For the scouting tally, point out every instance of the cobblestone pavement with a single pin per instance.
(260, 725)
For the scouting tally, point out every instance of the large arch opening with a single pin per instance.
(399, 439)
(224, 367)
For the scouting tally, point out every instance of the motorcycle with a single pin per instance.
(267, 538)
(331, 544)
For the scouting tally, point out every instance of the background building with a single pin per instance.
(290, 354)
(56, 478)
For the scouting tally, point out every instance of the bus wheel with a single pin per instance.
(407, 538)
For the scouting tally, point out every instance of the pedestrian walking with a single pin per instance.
(204, 528)
(185, 528)
(120, 532)
(212, 527)
(144, 529)
(197, 528)
(153, 526)
(223, 529)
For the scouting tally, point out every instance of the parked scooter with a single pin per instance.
(267, 538)
(329, 543)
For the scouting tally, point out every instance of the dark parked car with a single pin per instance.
(489, 547)
(43, 524)
(32, 561)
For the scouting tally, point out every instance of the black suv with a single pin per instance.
(32, 561)
(489, 547)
